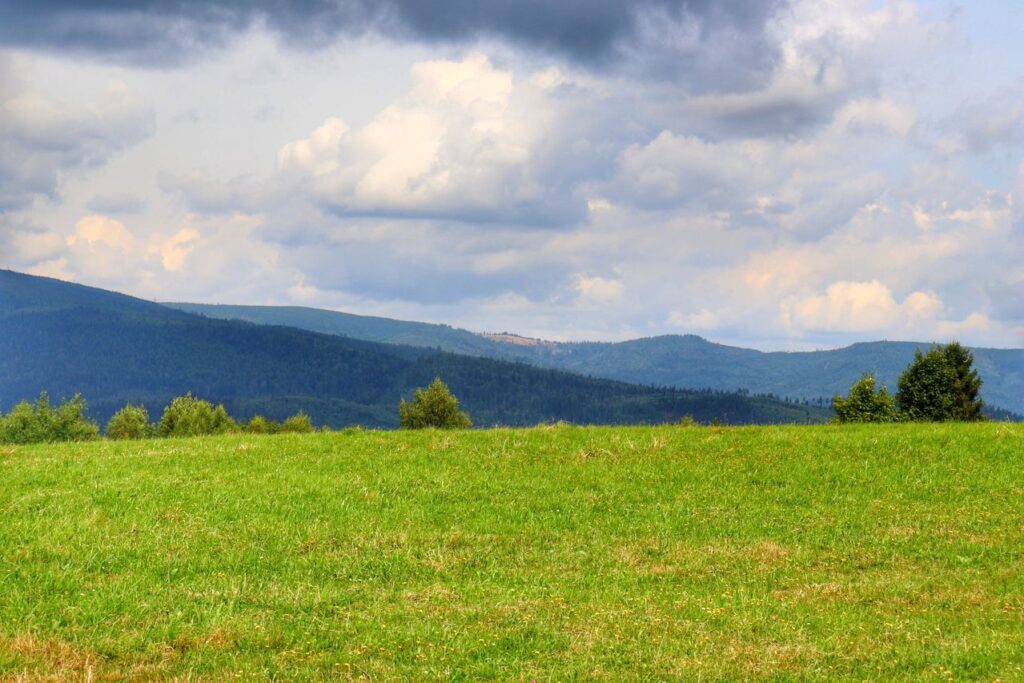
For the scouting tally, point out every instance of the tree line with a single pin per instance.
(277, 371)
(43, 422)
(940, 385)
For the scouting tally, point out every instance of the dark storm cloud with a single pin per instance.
(592, 32)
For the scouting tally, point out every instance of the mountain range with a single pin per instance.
(66, 338)
(681, 361)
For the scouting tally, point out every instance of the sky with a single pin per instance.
(776, 174)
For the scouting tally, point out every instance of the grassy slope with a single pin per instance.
(551, 554)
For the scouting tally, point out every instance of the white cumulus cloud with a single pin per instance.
(858, 307)
(466, 142)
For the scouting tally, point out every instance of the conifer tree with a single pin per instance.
(967, 403)
(940, 386)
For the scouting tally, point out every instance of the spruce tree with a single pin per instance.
(940, 385)
(967, 403)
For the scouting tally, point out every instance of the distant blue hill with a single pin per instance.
(65, 338)
(685, 361)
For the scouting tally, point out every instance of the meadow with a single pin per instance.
(861, 552)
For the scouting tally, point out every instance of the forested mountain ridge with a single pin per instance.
(684, 361)
(65, 338)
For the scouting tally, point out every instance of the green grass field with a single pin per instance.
(563, 553)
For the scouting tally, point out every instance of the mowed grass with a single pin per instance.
(563, 553)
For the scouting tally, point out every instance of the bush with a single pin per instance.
(131, 422)
(190, 416)
(297, 424)
(261, 425)
(42, 423)
(434, 406)
(864, 404)
(22, 426)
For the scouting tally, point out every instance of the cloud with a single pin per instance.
(32, 245)
(100, 249)
(831, 52)
(42, 139)
(973, 325)
(1008, 296)
(599, 290)
(104, 230)
(117, 202)
(206, 195)
(994, 123)
(858, 307)
(425, 262)
(804, 189)
(467, 143)
(717, 43)
(871, 308)
(699, 321)
(877, 116)
(672, 171)
(177, 247)
(55, 268)
(198, 258)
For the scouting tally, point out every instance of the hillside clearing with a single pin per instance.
(560, 553)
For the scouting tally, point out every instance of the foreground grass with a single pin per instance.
(885, 552)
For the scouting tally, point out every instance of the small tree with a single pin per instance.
(71, 424)
(864, 404)
(434, 406)
(940, 385)
(131, 422)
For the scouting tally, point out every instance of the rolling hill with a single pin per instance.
(682, 361)
(66, 338)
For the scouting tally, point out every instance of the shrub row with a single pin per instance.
(42, 422)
